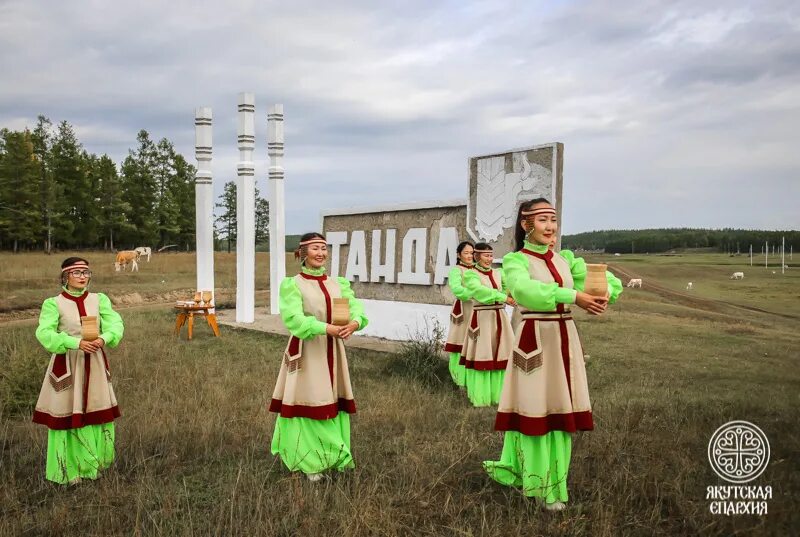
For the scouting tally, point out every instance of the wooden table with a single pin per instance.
(186, 315)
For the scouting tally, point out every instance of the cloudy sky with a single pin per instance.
(673, 114)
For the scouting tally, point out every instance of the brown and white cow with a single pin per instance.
(126, 257)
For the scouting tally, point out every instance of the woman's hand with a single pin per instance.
(510, 301)
(593, 304)
(333, 330)
(348, 329)
(89, 346)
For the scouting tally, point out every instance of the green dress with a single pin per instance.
(312, 430)
(489, 340)
(538, 462)
(78, 452)
(459, 317)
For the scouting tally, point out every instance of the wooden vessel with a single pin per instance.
(596, 282)
(89, 328)
(340, 315)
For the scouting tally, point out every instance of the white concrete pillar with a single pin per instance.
(204, 201)
(245, 212)
(277, 215)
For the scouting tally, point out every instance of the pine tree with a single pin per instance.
(225, 224)
(140, 191)
(183, 193)
(68, 169)
(262, 219)
(19, 189)
(113, 209)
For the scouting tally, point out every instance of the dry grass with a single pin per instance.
(192, 452)
(27, 279)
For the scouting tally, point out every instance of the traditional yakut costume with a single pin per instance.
(77, 401)
(313, 397)
(489, 339)
(460, 316)
(545, 396)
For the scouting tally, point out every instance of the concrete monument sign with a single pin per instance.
(403, 253)
(398, 253)
(499, 182)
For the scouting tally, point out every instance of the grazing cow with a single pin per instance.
(144, 250)
(689, 286)
(635, 282)
(126, 257)
(737, 276)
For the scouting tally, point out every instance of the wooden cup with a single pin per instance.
(596, 282)
(89, 328)
(340, 315)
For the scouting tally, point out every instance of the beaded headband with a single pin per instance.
(538, 211)
(320, 240)
(77, 264)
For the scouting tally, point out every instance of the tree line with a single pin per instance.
(55, 195)
(663, 240)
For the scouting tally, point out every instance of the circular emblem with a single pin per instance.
(738, 451)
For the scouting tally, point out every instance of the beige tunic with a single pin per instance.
(545, 386)
(459, 319)
(77, 388)
(489, 340)
(314, 380)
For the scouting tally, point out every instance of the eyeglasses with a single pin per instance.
(79, 273)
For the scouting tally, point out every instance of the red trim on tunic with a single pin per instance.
(527, 340)
(294, 345)
(87, 358)
(452, 347)
(321, 278)
(570, 422)
(79, 300)
(485, 365)
(499, 324)
(324, 412)
(76, 421)
(456, 308)
(328, 339)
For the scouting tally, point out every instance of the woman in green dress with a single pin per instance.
(545, 397)
(313, 397)
(489, 339)
(77, 401)
(461, 312)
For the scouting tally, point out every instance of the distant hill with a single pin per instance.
(626, 241)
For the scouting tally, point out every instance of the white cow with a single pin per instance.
(737, 276)
(635, 282)
(689, 286)
(144, 250)
(126, 257)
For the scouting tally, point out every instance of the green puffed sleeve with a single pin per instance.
(614, 287)
(47, 332)
(533, 294)
(356, 307)
(290, 303)
(479, 292)
(577, 267)
(455, 281)
(111, 327)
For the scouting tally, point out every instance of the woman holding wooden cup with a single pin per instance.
(77, 401)
(545, 397)
(313, 397)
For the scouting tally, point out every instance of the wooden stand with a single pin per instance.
(186, 315)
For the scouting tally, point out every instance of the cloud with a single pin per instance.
(659, 104)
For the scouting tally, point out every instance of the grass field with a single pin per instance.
(27, 279)
(192, 445)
